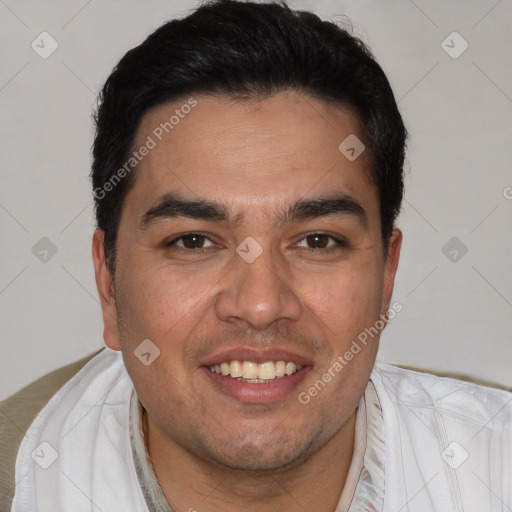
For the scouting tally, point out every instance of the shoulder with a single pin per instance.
(455, 395)
(18, 411)
(457, 432)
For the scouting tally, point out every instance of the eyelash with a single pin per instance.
(339, 243)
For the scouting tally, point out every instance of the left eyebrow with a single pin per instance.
(339, 204)
(171, 206)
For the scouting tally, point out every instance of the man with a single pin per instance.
(247, 176)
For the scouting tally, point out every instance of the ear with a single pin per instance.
(106, 292)
(390, 266)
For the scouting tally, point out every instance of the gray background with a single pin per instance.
(457, 315)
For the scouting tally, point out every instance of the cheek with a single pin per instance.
(157, 295)
(347, 300)
(163, 301)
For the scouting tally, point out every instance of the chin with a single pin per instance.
(268, 456)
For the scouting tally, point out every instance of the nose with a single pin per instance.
(258, 293)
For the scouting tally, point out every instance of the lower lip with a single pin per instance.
(262, 393)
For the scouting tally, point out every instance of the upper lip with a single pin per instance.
(261, 355)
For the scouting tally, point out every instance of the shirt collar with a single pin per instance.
(364, 487)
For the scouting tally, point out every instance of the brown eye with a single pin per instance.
(318, 241)
(193, 241)
(189, 241)
(321, 241)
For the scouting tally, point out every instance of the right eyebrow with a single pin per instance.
(171, 206)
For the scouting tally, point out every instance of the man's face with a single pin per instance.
(214, 298)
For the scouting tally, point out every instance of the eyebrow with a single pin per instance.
(172, 205)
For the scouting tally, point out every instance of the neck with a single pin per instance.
(192, 484)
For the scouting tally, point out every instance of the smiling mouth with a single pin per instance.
(256, 373)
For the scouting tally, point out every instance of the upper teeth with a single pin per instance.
(250, 370)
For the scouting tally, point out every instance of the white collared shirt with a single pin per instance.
(423, 443)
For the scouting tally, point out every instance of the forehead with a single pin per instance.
(259, 153)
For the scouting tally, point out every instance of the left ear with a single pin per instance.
(390, 266)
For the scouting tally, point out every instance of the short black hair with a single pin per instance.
(245, 50)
